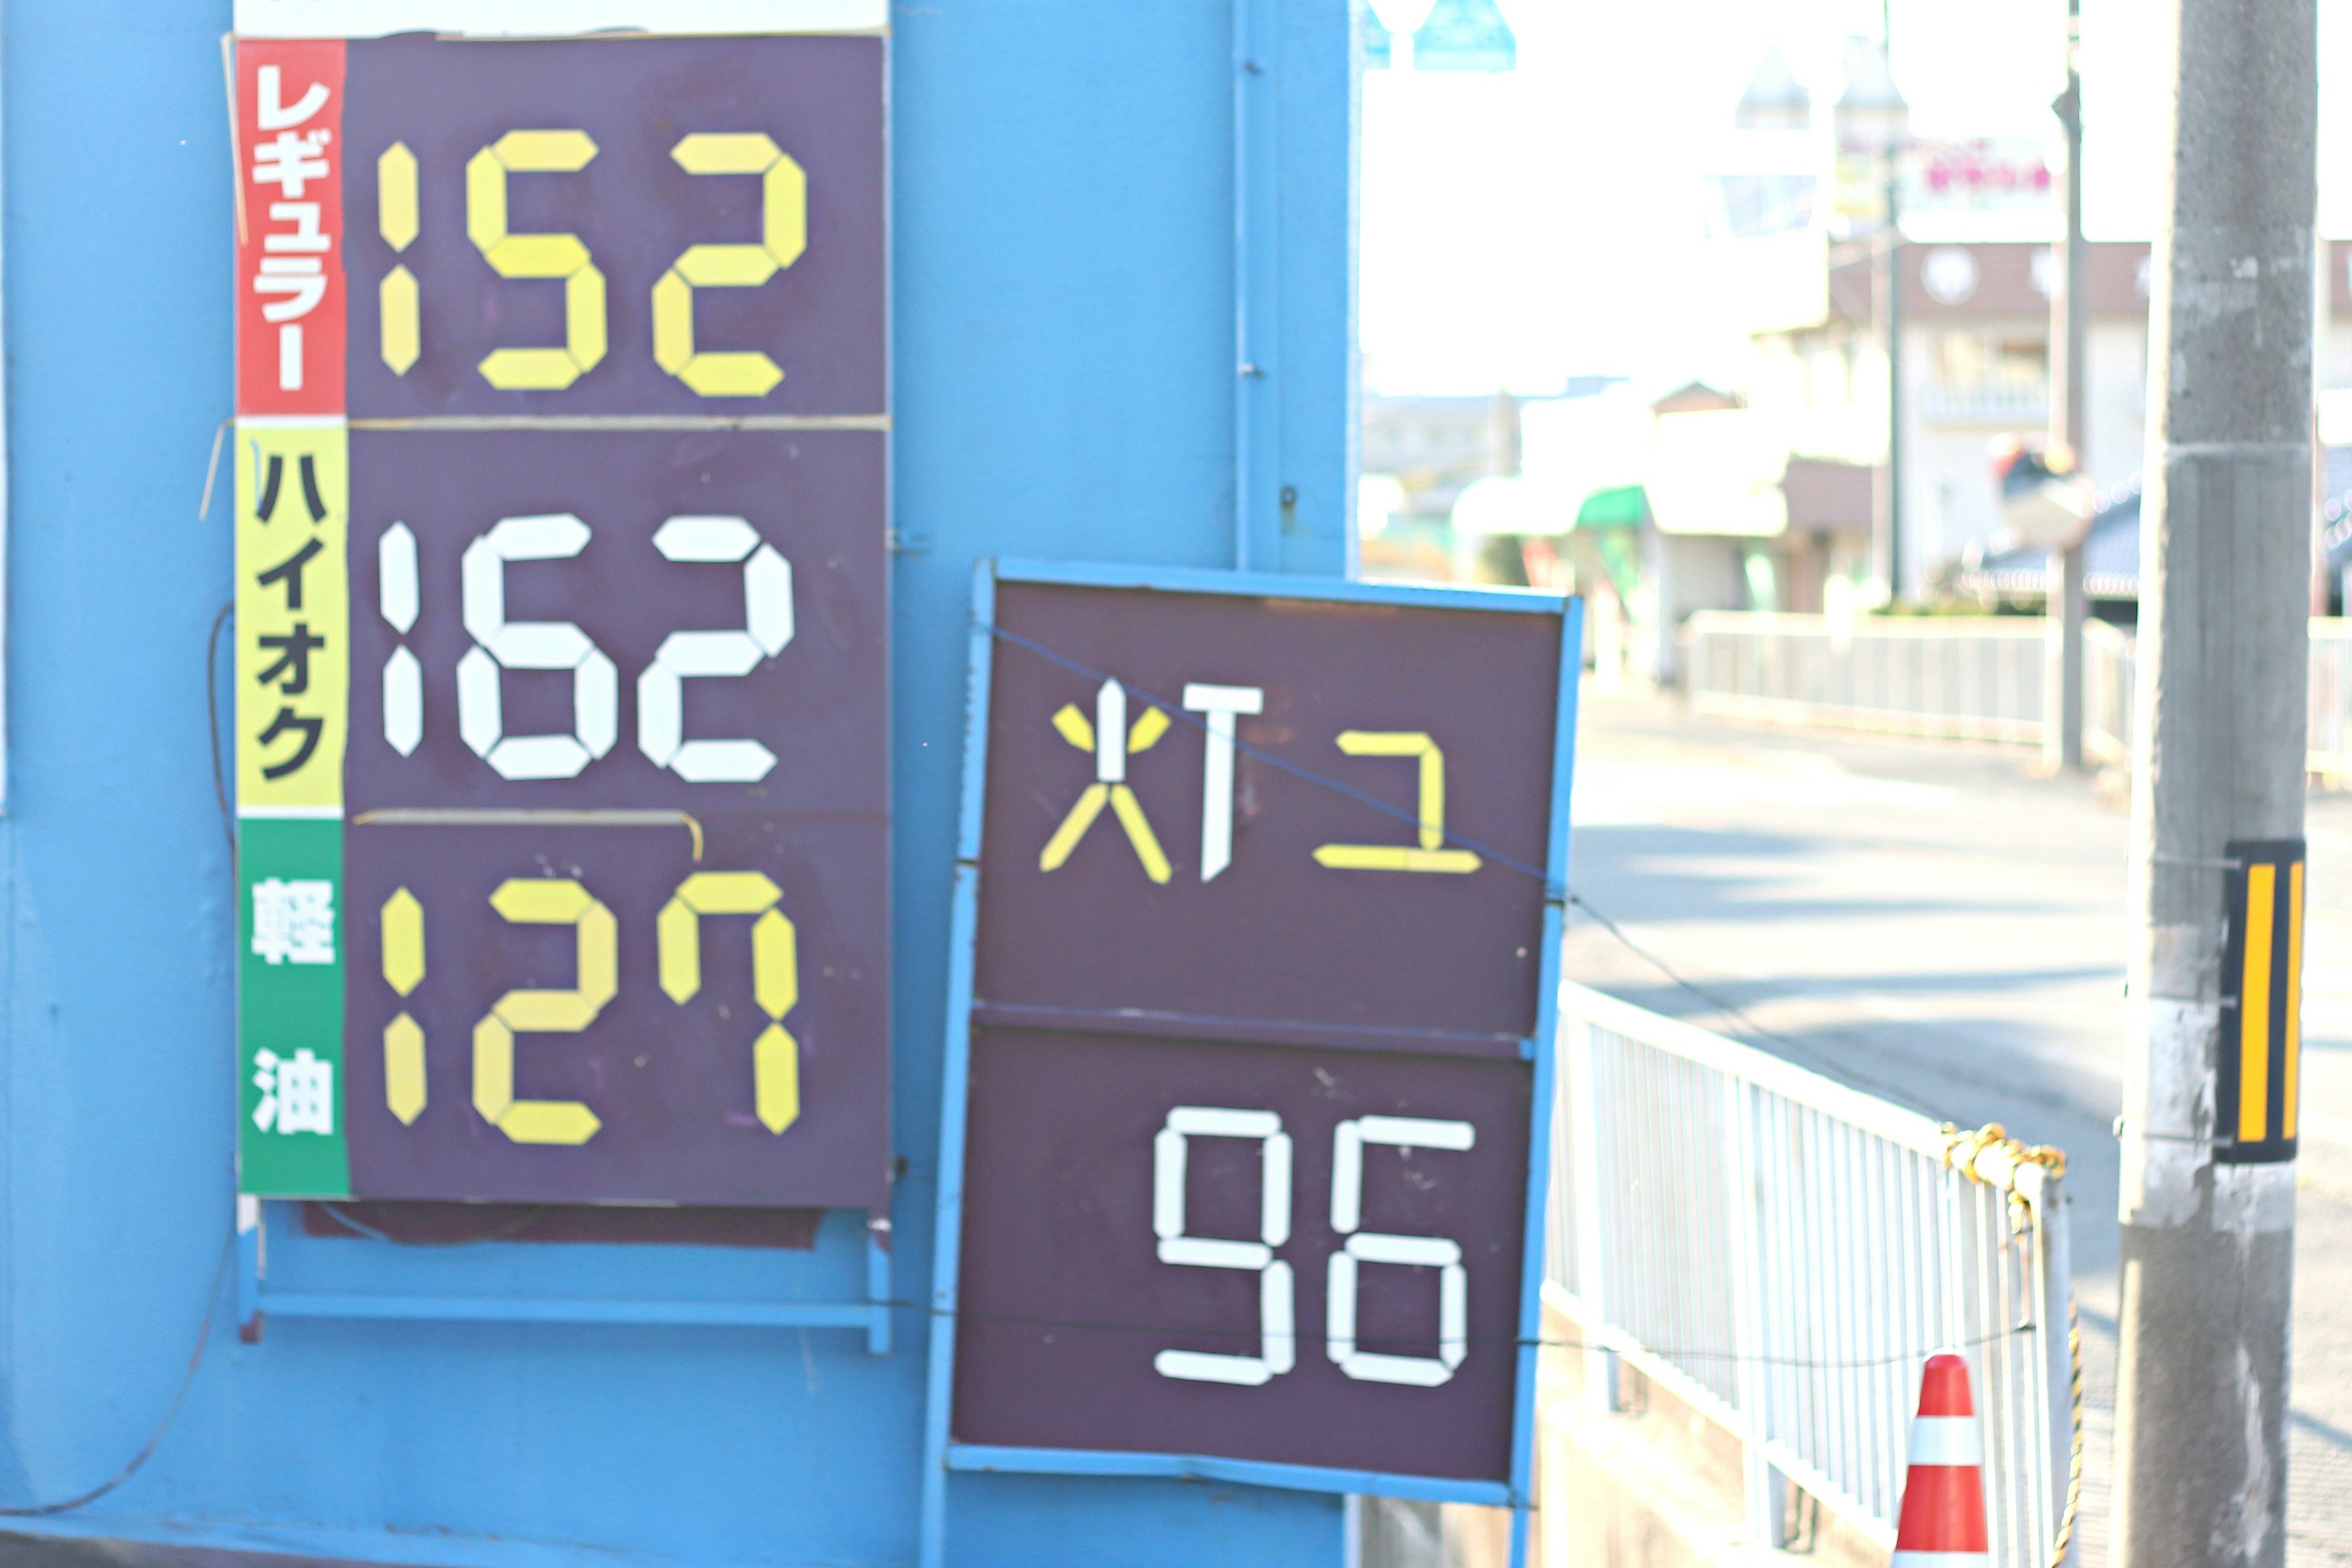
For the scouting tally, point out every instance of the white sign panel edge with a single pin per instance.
(552, 19)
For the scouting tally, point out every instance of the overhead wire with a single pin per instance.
(212, 725)
(1732, 1010)
(170, 1412)
(1908, 1357)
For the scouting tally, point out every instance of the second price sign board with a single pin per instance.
(561, 467)
(1260, 893)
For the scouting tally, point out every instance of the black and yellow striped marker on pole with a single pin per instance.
(2261, 1003)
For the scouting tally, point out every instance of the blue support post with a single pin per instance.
(249, 1242)
(1254, 332)
(1556, 893)
(877, 1284)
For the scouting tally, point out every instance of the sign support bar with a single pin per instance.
(256, 1303)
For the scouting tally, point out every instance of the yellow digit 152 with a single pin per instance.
(711, 372)
(783, 234)
(537, 255)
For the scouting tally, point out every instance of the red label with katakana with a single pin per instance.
(289, 223)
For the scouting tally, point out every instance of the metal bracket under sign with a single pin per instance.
(257, 1302)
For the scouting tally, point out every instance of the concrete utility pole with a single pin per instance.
(2210, 1092)
(2323, 316)
(1872, 119)
(1894, 319)
(2070, 376)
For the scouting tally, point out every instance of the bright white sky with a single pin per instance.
(1522, 229)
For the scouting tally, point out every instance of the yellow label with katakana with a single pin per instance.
(293, 616)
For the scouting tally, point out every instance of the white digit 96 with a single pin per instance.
(500, 645)
(1277, 1313)
(1370, 1246)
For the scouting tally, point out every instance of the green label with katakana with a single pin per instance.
(290, 933)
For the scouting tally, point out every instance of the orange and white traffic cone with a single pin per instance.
(1943, 1520)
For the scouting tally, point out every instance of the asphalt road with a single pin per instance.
(1933, 922)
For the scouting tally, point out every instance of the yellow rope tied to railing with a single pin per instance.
(1966, 1152)
(2074, 1459)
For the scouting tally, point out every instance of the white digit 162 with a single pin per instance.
(1277, 1312)
(501, 645)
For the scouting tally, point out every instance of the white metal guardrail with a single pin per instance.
(1968, 677)
(2107, 682)
(1782, 1253)
(2109, 669)
(2331, 697)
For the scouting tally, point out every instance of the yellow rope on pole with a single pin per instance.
(2074, 1460)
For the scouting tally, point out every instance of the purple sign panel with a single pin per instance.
(1301, 1256)
(1273, 812)
(629, 810)
(563, 491)
(625, 804)
(617, 226)
(1263, 883)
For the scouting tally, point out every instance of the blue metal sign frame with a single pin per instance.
(941, 1455)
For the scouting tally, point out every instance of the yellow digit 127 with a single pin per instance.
(553, 901)
(775, 975)
(540, 900)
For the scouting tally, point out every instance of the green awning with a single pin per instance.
(1626, 506)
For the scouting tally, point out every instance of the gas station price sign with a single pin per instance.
(1259, 904)
(562, 462)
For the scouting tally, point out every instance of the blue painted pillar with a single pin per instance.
(1071, 245)
(1092, 413)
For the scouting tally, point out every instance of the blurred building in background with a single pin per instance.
(1975, 368)
(1767, 486)
(1762, 490)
